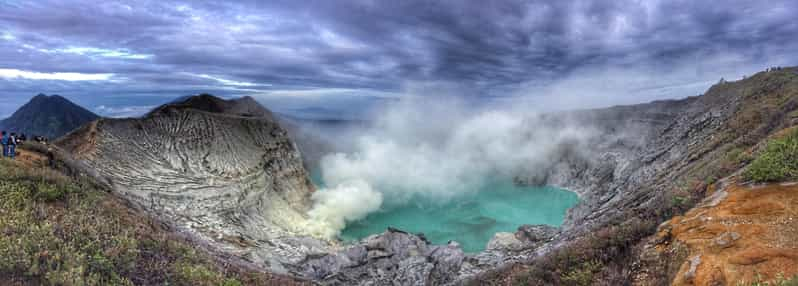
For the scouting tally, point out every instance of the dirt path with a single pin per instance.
(30, 158)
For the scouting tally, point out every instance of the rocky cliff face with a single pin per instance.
(222, 170)
(651, 160)
(647, 151)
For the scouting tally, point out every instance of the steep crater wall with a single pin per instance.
(651, 161)
(222, 170)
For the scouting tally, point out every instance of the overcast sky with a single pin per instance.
(120, 58)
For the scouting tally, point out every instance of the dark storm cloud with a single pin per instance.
(487, 48)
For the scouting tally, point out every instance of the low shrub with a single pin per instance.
(777, 162)
(580, 262)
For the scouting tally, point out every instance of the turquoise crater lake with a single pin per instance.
(471, 220)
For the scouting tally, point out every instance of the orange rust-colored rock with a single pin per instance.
(750, 232)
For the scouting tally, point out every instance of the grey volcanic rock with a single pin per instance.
(638, 145)
(222, 170)
(391, 258)
(527, 237)
(244, 106)
(536, 233)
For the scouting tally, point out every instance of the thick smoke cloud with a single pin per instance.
(435, 151)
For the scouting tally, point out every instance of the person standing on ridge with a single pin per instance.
(5, 145)
(12, 145)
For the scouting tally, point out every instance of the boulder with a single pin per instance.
(394, 257)
(536, 233)
(505, 241)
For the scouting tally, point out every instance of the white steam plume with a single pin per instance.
(336, 206)
(435, 151)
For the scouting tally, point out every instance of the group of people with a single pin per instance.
(10, 142)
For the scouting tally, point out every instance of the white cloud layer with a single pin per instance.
(123, 111)
(66, 76)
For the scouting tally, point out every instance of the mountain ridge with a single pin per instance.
(49, 116)
(243, 106)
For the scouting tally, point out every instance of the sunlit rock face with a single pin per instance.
(223, 170)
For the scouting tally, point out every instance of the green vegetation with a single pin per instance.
(583, 275)
(193, 274)
(58, 231)
(778, 162)
(779, 281)
(590, 258)
(678, 201)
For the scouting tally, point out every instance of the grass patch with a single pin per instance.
(679, 201)
(199, 275)
(582, 275)
(55, 230)
(777, 162)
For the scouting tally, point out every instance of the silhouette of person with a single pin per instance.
(5, 144)
(12, 146)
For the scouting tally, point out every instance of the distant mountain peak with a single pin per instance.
(47, 115)
(54, 98)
